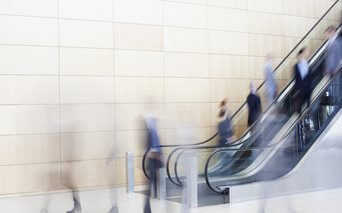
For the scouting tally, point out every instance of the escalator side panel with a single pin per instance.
(320, 168)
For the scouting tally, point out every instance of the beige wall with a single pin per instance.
(75, 76)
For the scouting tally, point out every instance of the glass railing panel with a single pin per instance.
(201, 156)
(335, 14)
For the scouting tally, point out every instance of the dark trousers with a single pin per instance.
(152, 168)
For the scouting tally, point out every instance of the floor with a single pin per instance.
(98, 201)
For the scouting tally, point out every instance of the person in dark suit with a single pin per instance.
(302, 88)
(225, 127)
(254, 105)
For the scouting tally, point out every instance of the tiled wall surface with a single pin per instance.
(76, 76)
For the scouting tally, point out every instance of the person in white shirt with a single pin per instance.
(302, 88)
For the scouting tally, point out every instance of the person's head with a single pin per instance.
(223, 108)
(302, 53)
(269, 57)
(330, 32)
(223, 103)
(252, 87)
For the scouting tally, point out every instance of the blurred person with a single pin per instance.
(70, 174)
(334, 52)
(77, 204)
(185, 135)
(113, 196)
(302, 89)
(190, 161)
(154, 160)
(46, 204)
(333, 58)
(114, 207)
(282, 161)
(254, 105)
(225, 127)
(271, 83)
(75, 195)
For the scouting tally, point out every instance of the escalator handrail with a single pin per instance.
(300, 117)
(243, 105)
(165, 146)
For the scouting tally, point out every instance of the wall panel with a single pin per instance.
(86, 9)
(242, 4)
(186, 65)
(227, 19)
(82, 61)
(28, 60)
(91, 34)
(185, 15)
(87, 146)
(137, 11)
(77, 78)
(91, 117)
(185, 40)
(138, 37)
(84, 89)
(28, 30)
(139, 63)
(227, 66)
(29, 90)
(228, 43)
(29, 119)
(186, 90)
(46, 8)
(29, 149)
(139, 90)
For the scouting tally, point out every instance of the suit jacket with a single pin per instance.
(334, 55)
(153, 141)
(301, 84)
(298, 78)
(254, 108)
(225, 130)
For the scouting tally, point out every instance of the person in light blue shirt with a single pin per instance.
(334, 52)
(153, 138)
(333, 60)
(270, 82)
(155, 159)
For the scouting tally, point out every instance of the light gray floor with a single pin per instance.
(97, 201)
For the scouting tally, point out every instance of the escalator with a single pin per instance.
(237, 157)
(275, 121)
(285, 156)
(278, 118)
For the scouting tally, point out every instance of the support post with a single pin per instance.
(129, 172)
(191, 180)
(161, 187)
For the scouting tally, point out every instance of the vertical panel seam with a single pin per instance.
(59, 99)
